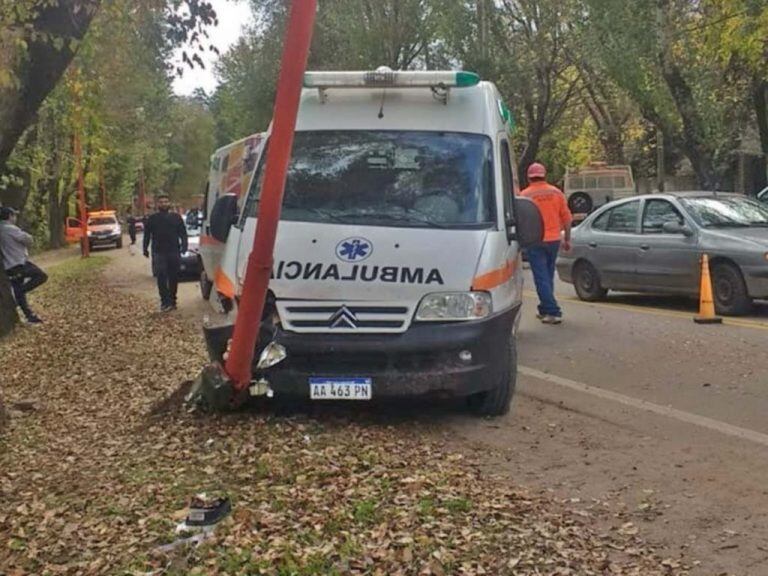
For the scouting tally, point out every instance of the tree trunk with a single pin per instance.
(613, 144)
(529, 154)
(56, 215)
(694, 141)
(8, 315)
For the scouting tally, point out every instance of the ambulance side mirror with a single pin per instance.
(528, 228)
(223, 216)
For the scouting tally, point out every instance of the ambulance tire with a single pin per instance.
(496, 402)
(206, 286)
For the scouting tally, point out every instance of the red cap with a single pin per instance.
(536, 170)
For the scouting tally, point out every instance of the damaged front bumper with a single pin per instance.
(446, 359)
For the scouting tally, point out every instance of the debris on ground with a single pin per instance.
(93, 485)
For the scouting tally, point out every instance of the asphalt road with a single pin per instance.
(629, 408)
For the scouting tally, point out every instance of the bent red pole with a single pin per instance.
(298, 37)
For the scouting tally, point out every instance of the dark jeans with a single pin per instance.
(25, 278)
(542, 260)
(166, 268)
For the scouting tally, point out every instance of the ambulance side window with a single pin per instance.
(251, 208)
(205, 199)
(508, 190)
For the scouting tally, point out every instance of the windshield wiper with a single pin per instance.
(759, 224)
(404, 219)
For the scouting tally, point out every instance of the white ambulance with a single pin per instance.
(397, 266)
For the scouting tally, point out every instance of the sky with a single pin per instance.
(233, 15)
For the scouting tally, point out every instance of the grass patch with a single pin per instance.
(74, 268)
(426, 506)
(365, 512)
(458, 505)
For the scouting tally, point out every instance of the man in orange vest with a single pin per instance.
(557, 218)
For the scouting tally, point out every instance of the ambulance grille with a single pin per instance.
(342, 317)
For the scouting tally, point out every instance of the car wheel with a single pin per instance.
(580, 203)
(119, 243)
(729, 290)
(496, 402)
(206, 286)
(586, 281)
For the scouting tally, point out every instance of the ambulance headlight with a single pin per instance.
(454, 306)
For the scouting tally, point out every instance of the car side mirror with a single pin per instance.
(528, 228)
(676, 228)
(223, 216)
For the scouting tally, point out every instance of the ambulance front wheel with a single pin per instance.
(496, 402)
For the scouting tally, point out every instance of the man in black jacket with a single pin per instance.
(166, 232)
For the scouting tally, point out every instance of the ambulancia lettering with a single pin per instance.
(294, 270)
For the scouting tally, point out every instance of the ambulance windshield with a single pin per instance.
(389, 178)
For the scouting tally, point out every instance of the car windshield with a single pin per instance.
(101, 222)
(388, 178)
(727, 212)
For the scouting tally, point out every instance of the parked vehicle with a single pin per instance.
(590, 187)
(191, 265)
(103, 228)
(73, 230)
(397, 267)
(654, 243)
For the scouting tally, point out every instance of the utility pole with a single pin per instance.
(259, 268)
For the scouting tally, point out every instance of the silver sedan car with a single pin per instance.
(654, 244)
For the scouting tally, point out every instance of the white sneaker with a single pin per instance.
(552, 320)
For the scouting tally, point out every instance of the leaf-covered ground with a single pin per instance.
(91, 483)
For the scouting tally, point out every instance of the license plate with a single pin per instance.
(340, 388)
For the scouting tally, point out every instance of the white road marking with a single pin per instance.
(682, 416)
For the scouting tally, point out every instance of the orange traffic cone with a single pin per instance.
(706, 303)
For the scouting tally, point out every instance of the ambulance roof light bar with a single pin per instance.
(384, 77)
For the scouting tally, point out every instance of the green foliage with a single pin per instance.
(117, 97)
(190, 148)
(586, 79)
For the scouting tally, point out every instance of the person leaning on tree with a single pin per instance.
(165, 232)
(542, 257)
(22, 273)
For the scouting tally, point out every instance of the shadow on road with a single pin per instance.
(373, 413)
(675, 303)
